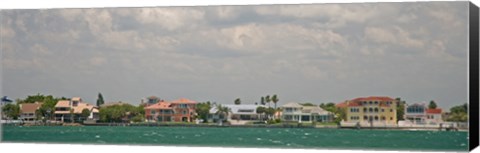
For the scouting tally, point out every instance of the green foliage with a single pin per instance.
(261, 110)
(85, 113)
(262, 100)
(432, 105)
(267, 100)
(138, 118)
(100, 100)
(341, 114)
(11, 111)
(400, 108)
(119, 113)
(47, 109)
(459, 113)
(270, 111)
(275, 100)
(203, 109)
(237, 101)
(307, 104)
(275, 121)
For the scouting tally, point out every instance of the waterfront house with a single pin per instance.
(419, 113)
(239, 114)
(64, 109)
(370, 111)
(294, 112)
(181, 110)
(28, 111)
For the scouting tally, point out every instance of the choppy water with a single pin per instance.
(243, 137)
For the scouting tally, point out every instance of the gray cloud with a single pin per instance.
(316, 53)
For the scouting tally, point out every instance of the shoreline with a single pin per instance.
(238, 126)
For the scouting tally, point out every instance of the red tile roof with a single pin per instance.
(159, 105)
(374, 98)
(184, 101)
(434, 111)
(29, 107)
(341, 105)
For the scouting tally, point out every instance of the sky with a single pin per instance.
(314, 53)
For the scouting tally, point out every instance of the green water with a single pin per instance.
(243, 137)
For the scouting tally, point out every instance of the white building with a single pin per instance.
(294, 112)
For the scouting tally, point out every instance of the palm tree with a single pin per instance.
(275, 100)
(223, 110)
(237, 101)
(267, 99)
(262, 101)
(71, 115)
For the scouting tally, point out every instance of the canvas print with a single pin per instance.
(372, 76)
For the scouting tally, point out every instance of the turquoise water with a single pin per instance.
(243, 137)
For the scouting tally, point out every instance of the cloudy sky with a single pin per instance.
(304, 53)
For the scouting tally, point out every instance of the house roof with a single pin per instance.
(81, 106)
(292, 104)
(76, 99)
(238, 109)
(29, 107)
(314, 109)
(434, 111)
(63, 103)
(373, 98)
(341, 105)
(183, 101)
(159, 105)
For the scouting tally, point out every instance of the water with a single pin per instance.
(243, 137)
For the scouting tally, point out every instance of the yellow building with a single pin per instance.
(370, 111)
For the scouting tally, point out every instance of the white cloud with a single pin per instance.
(170, 18)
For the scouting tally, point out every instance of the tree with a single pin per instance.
(203, 109)
(71, 115)
(223, 111)
(262, 101)
(270, 112)
(459, 113)
(237, 101)
(260, 111)
(275, 100)
(120, 113)
(400, 108)
(432, 105)
(11, 110)
(267, 100)
(85, 113)
(100, 100)
(340, 114)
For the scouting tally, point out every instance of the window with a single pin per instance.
(376, 102)
(376, 110)
(376, 118)
(391, 118)
(245, 110)
(152, 112)
(383, 110)
(370, 110)
(391, 110)
(184, 112)
(370, 102)
(365, 117)
(364, 109)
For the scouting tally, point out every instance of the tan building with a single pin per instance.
(370, 111)
(28, 111)
(65, 108)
